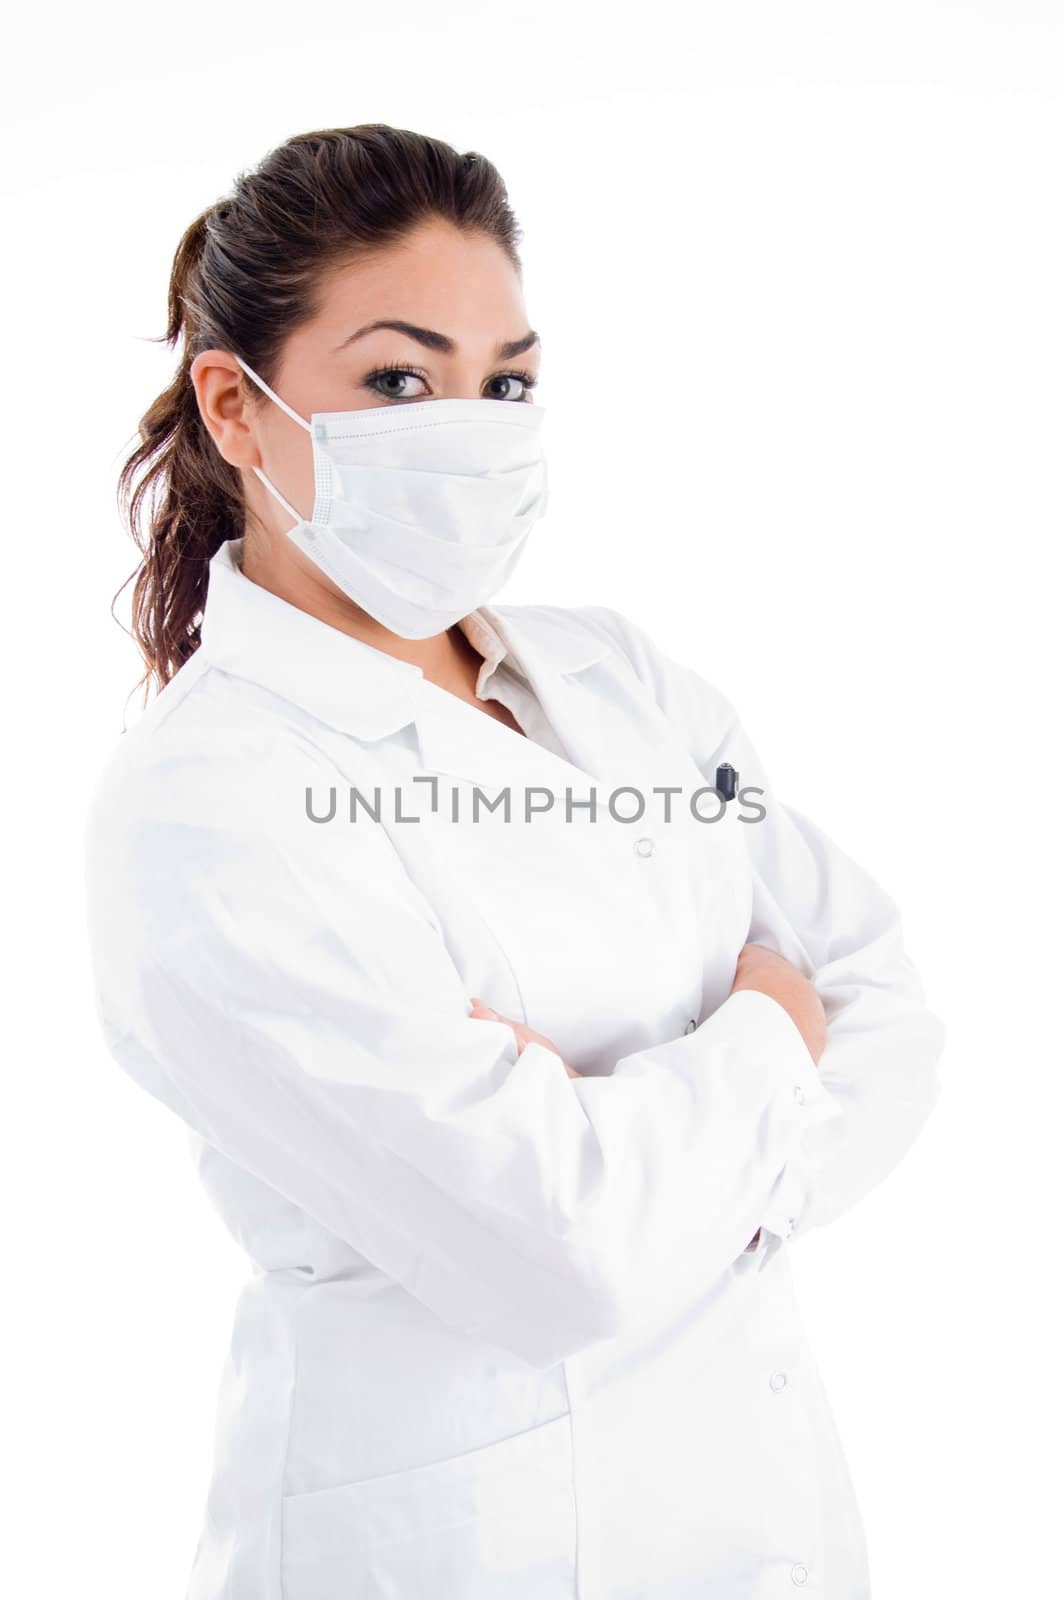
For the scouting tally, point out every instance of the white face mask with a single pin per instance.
(421, 509)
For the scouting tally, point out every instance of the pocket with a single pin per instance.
(499, 1520)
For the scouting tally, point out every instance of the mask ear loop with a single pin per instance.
(303, 423)
(263, 479)
(277, 495)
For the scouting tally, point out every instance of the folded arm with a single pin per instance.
(289, 993)
(820, 909)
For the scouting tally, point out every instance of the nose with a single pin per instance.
(463, 384)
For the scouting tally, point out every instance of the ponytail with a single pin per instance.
(181, 499)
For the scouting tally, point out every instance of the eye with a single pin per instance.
(525, 378)
(388, 381)
(381, 382)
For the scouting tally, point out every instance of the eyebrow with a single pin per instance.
(439, 341)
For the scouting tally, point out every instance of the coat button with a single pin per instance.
(799, 1573)
(799, 1094)
(778, 1381)
(644, 847)
(691, 1026)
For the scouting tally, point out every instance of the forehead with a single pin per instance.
(459, 284)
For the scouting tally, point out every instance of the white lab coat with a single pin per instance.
(505, 1333)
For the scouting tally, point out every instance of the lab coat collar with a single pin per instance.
(252, 633)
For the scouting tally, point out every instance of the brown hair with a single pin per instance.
(244, 276)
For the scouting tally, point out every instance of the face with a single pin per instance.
(461, 305)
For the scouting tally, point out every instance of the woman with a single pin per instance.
(512, 1049)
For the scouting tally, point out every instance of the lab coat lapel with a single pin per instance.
(591, 717)
(458, 741)
(461, 741)
(593, 701)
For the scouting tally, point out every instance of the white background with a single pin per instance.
(798, 273)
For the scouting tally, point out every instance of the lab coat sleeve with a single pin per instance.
(284, 987)
(820, 909)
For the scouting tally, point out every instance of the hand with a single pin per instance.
(522, 1032)
(760, 968)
